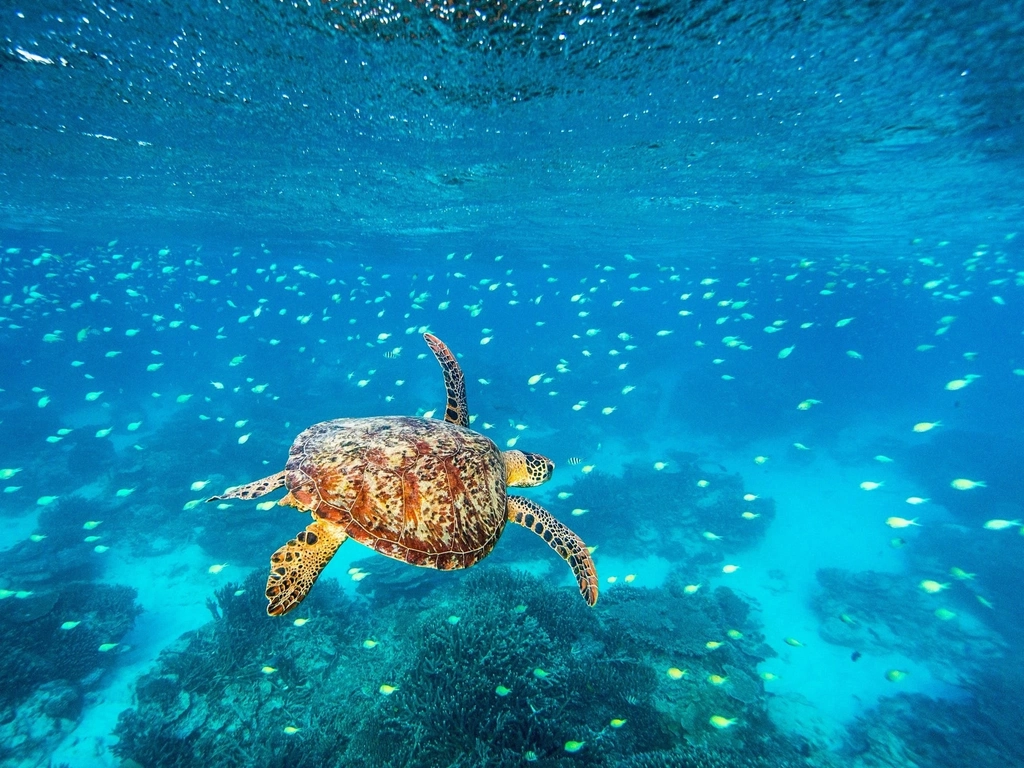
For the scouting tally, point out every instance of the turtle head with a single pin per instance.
(524, 470)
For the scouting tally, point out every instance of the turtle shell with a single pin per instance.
(424, 491)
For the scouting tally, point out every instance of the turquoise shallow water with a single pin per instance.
(750, 276)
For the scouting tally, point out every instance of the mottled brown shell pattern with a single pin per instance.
(424, 491)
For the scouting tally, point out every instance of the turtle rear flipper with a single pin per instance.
(567, 544)
(294, 568)
(252, 490)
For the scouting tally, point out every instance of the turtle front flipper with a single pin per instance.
(531, 515)
(456, 411)
(294, 568)
(252, 490)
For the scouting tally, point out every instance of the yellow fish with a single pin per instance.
(617, 722)
(932, 587)
(720, 722)
(268, 670)
(901, 522)
(369, 643)
(387, 690)
(963, 484)
(793, 641)
(717, 679)
(675, 673)
(1000, 525)
(895, 675)
(960, 573)
(926, 426)
(291, 730)
(713, 645)
(574, 746)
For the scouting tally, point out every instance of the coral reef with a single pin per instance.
(647, 511)
(998, 572)
(394, 579)
(984, 729)
(57, 645)
(888, 612)
(225, 694)
(39, 724)
(493, 668)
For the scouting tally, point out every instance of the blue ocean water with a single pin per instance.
(749, 274)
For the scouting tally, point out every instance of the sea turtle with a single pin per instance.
(429, 492)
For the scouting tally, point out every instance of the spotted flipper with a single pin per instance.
(456, 411)
(252, 490)
(294, 568)
(531, 515)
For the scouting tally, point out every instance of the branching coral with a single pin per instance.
(491, 674)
